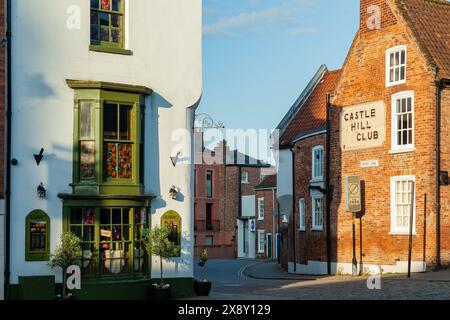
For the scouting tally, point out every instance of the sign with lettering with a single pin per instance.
(370, 164)
(172, 220)
(353, 194)
(363, 126)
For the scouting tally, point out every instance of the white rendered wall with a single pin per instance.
(165, 37)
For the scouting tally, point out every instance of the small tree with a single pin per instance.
(157, 243)
(202, 263)
(67, 253)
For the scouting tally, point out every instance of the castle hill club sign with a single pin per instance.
(363, 126)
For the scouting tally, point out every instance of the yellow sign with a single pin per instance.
(172, 220)
(363, 126)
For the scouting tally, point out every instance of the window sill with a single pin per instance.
(392, 84)
(317, 229)
(406, 150)
(401, 233)
(104, 49)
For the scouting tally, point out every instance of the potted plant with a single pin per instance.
(67, 253)
(202, 287)
(157, 243)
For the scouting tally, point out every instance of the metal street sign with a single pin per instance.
(353, 194)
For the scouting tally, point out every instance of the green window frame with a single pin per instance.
(37, 236)
(107, 23)
(111, 240)
(109, 127)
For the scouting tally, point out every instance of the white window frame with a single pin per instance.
(389, 67)
(261, 235)
(244, 174)
(318, 196)
(261, 209)
(395, 148)
(313, 163)
(302, 214)
(396, 230)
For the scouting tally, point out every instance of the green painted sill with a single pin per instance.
(113, 50)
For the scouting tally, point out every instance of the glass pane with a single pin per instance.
(126, 233)
(94, 17)
(402, 73)
(403, 105)
(110, 124)
(75, 216)
(117, 5)
(87, 159)
(391, 60)
(95, 4)
(76, 231)
(104, 19)
(116, 36)
(397, 74)
(125, 161)
(391, 76)
(104, 34)
(125, 122)
(117, 234)
(398, 105)
(409, 104)
(397, 58)
(94, 33)
(403, 57)
(106, 4)
(410, 136)
(105, 216)
(89, 234)
(116, 216)
(88, 216)
(110, 160)
(116, 20)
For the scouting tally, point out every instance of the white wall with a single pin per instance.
(165, 37)
(284, 181)
(248, 206)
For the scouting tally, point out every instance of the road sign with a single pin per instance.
(353, 201)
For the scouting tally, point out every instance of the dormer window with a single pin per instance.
(396, 66)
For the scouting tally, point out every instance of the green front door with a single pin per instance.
(269, 246)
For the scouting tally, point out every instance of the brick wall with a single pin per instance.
(363, 80)
(374, 9)
(445, 166)
(267, 224)
(310, 245)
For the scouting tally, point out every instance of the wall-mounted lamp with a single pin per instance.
(41, 191)
(173, 192)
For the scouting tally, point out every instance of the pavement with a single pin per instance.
(261, 280)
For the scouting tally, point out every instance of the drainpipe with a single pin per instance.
(294, 231)
(327, 187)
(8, 148)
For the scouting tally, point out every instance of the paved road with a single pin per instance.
(231, 283)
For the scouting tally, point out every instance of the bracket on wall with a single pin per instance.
(444, 178)
(39, 157)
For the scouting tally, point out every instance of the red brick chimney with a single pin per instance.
(375, 15)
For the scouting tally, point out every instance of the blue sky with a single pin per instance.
(258, 55)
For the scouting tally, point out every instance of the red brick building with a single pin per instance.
(267, 221)
(389, 125)
(223, 178)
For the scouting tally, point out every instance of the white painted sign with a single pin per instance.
(363, 126)
(370, 164)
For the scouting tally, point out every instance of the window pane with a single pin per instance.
(116, 20)
(402, 73)
(397, 74)
(106, 4)
(209, 177)
(117, 5)
(391, 76)
(116, 36)
(125, 122)
(110, 160)
(110, 121)
(125, 161)
(94, 33)
(104, 34)
(86, 127)
(397, 58)
(104, 19)
(76, 216)
(116, 216)
(391, 60)
(403, 57)
(95, 4)
(87, 159)
(105, 216)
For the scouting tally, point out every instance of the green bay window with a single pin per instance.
(111, 240)
(107, 208)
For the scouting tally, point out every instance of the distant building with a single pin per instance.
(268, 222)
(225, 201)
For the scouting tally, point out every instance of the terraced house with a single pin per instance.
(97, 90)
(389, 126)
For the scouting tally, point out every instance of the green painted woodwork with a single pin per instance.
(37, 288)
(137, 289)
(96, 94)
(43, 254)
(114, 50)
